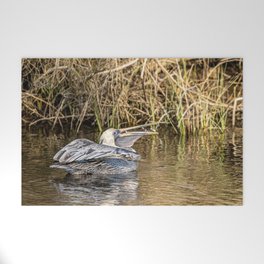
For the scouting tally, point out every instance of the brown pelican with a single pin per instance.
(113, 155)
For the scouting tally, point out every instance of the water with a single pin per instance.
(174, 170)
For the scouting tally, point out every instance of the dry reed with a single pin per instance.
(189, 94)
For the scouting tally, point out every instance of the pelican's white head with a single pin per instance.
(124, 137)
(109, 137)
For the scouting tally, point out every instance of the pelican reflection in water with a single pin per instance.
(98, 189)
(113, 155)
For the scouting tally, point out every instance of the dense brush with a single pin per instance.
(188, 94)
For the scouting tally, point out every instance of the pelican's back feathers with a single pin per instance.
(81, 150)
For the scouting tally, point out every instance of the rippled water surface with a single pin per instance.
(174, 170)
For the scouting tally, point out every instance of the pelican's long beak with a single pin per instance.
(127, 138)
(136, 127)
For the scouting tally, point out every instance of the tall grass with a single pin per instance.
(188, 94)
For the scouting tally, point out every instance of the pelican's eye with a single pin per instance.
(116, 132)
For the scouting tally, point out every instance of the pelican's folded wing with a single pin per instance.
(73, 146)
(85, 151)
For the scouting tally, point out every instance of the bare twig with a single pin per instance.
(118, 68)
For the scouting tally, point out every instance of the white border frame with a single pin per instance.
(157, 28)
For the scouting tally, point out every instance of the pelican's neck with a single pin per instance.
(109, 141)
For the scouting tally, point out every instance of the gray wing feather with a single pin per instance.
(94, 151)
(72, 147)
(81, 150)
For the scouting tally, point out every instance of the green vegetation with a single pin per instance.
(188, 94)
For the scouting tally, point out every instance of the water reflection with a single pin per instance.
(98, 189)
(204, 169)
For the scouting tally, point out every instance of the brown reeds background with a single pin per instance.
(188, 94)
